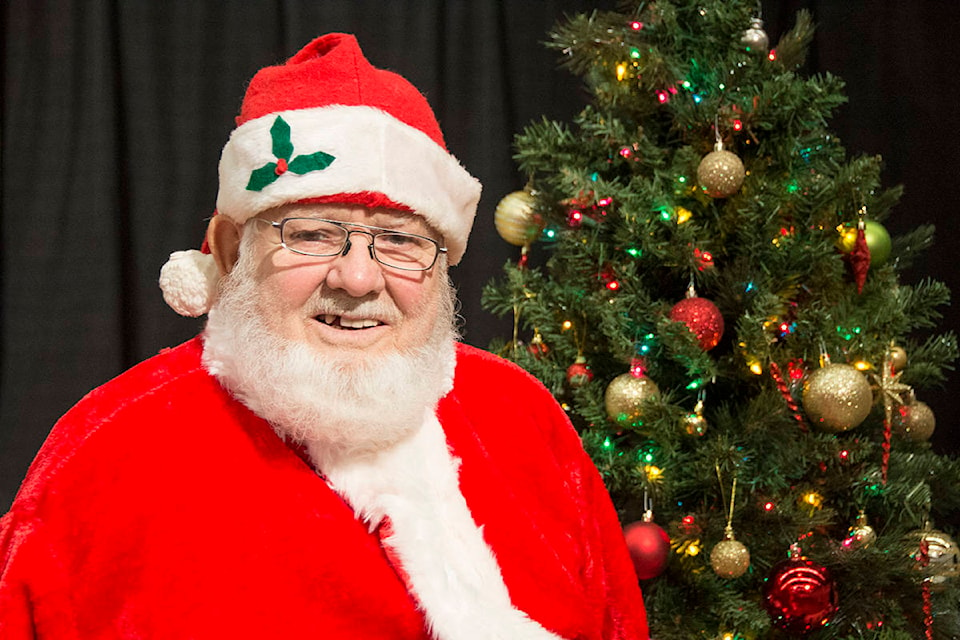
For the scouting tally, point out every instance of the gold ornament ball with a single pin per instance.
(898, 358)
(837, 397)
(720, 174)
(848, 239)
(942, 553)
(730, 559)
(915, 422)
(515, 219)
(861, 536)
(625, 395)
(695, 424)
(877, 237)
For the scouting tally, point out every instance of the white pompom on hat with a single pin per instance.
(327, 126)
(189, 281)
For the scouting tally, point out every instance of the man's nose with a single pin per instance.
(355, 271)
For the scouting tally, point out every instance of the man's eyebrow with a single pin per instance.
(397, 220)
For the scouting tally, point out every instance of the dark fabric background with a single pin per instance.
(114, 113)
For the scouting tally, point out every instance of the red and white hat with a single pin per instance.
(327, 126)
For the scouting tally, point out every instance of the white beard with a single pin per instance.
(368, 424)
(339, 406)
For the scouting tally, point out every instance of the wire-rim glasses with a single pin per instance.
(320, 237)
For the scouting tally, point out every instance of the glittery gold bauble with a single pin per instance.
(943, 557)
(837, 397)
(695, 424)
(625, 395)
(914, 421)
(730, 559)
(720, 173)
(515, 220)
(898, 358)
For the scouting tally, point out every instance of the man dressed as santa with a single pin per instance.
(325, 460)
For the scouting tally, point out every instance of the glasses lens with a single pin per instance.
(313, 237)
(404, 251)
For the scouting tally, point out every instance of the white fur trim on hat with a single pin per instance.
(189, 281)
(372, 152)
(452, 572)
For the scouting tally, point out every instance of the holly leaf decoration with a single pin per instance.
(259, 178)
(283, 149)
(311, 162)
(280, 134)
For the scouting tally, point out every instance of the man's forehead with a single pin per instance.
(375, 216)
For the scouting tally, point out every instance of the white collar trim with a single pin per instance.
(451, 570)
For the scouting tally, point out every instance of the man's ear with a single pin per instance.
(223, 239)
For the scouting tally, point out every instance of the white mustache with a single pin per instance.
(336, 304)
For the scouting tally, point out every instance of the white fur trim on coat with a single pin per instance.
(451, 569)
(372, 150)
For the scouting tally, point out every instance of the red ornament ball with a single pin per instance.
(702, 317)
(537, 347)
(579, 373)
(800, 596)
(649, 547)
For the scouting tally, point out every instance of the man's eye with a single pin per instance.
(310, 235)
(398, 240)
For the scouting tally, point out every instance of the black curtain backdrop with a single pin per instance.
(114, 113)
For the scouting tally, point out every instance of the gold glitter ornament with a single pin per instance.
(730, 558)
(515, 219)
(837, 397)
(720, 173)
(914, 421)
(625, 395)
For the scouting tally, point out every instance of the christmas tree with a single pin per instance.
(706, 285)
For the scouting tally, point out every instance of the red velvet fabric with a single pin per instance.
(332, 70)
(160, 507)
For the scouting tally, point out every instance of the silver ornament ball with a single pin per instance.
(943, 557)
(755, 38)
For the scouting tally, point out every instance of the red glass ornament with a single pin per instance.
(704, 260)
(537, 347)
(649, 547)
(799, 595)
(702, 317)
(579, 373)
(859, 258)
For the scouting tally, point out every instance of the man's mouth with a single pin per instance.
(340, 322)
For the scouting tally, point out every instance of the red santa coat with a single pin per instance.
(160, 507)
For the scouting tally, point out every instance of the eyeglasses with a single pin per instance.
(320, 237)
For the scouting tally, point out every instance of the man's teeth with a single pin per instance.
(348, 323)
(358, 323)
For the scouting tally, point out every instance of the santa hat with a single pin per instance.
(327, 126)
